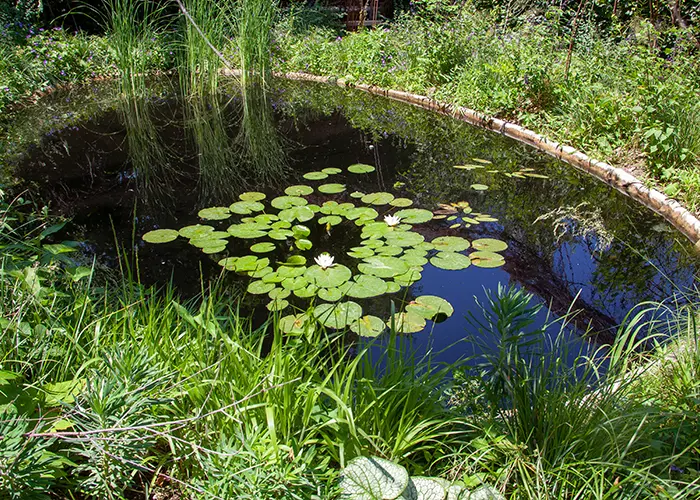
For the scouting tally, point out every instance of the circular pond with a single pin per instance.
(363, 210)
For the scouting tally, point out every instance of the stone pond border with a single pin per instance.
(675, 213)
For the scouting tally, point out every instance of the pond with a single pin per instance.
(421, 213)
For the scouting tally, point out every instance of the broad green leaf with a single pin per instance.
(450, 243)
(377, 198)
(283, 202)
(263, 247)
(160, 236)
(295, 324)
(430, 306)
(303, 244)
(299, 213)
(246, 207)
(401, 202)
(407, 322)
(331, 170)
(489, 245)
(414, 215)
(328, 278)
(331, 188)
(368, 326)
(195, 231)
(315, 176)
(361, 168)
(365, 286)
(487, 259)
(252, 196)
(383, 266)
(299, 190)
(215, 213)
(330, 294)
(337, 315)
(451, 261)
(260, 287)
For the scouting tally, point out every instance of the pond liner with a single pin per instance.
(669, 208)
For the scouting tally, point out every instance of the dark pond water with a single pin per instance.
(120, 170)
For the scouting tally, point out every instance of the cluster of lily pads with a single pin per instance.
(390, 255)
(480, 163)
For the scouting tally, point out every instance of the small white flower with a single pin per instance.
(392, 220)
(324, 260)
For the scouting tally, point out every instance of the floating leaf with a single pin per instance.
(373, 243)
(392, 287)
(215, 213)
(262, 247)
(265, 219)
(479, 187)
(414, 259)
(303, 244)
(250, 263)
(244, 231)
(306, 292)
(299, 190)
(409, 277)
(273, 277)
(246, 207)
(391, 250)
(361, 168)
(295, 324)
(195, 231)
(299, 213)
(330, 277)
(404, 238)
(333, 220)
(430, 306)
(361, 213)
(281, 224)
(315, 176)
(407, 322)
(450, 243)
(252, 196)
(357, 194)
(376, 230)
(338, 315)
(401, 202)
(487, 259)
(285, 271)
(451, 261)
(295, 283)
(423, 488)
(277, 305)
(213, 239)
(489, 244)
(368, 326)
(229, 263)
(414, 215)
(331, 170)
(365, 286)
(214, 248)
(160, 236)
(331, 188)
(377, 198)
(260, 287)
(295, 260)
(301, 231)
(259, 273)
(383, 266)
(360, 252)
(330, 294)
(279, 293)
(282, 202)
(280, 234)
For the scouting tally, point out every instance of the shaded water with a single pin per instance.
(120, 170)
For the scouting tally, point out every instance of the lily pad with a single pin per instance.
(214, 241)
(360, 252)
(306, 292)
(295, 260)
(368, 326)
(299, 213)
(361, 213)
(430, 306)
(250, 263)
(407, 322)
(331, 188)
(259, 273)
(244, 231)
(414, 259)
(376, 230)
(391, 250)
(404, 238)
(479, 187)
(286, 271)
(401, 202)
(301, 231)
(299, 190)
(361, 168)
(282, 202)
(330, 277)
(277, 305)
(451, 261)
(281, 224)
(279, 293)
(333, 220)
(330, 294)
(295, 283)
(262, 247)
(409, 277)
(338, 315)
(214, 213)
(376, 243)
(280, 234)
(357, 194)
(383, 266)
(160, 236)
(489, 245)
(303, 244)
(487, 259)
(365, 286)
(380, 198)
(295, 324)
(273, 277)
(392, 287)
(450, 243)
(414, 215)
(214, 248)
(315, 176)
(229, 263)
(195, 231)
(252, 196)
(246, 207)
(260, 287)
(331, 170)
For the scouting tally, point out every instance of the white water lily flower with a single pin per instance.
(392, 220)
(324, 260)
